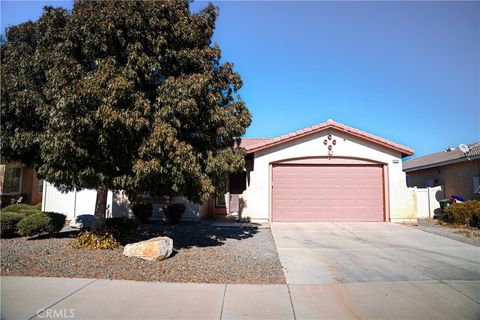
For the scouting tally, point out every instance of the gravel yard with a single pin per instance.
(459, 233)
(202, 254)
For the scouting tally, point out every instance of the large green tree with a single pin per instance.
(122, 95)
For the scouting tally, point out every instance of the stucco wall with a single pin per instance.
(419, 178)
(457, 178)
(257, 196)
(193, 211)
(30, 185)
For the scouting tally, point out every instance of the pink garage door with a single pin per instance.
(327, 193)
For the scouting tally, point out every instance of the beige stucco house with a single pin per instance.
(458, 173)
(327, 172)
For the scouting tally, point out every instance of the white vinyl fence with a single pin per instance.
(76, 202)
(427, 200)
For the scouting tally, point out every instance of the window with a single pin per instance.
(11, 181)
(476, 184)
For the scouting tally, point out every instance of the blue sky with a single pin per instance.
(406, 71)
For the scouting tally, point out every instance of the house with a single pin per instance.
(458, 173)
(327, 172)
(18, 182)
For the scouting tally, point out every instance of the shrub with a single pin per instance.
(122, 228)
(475, 220)
(8, 223)
(463, 213)
(447, 217)
(38, 206)
(95, 240)
(174, 212)
(41, 222)
(142, 211)
(21, 208)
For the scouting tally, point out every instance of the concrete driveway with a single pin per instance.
(377, 270)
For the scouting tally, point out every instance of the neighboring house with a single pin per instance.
(458, 173)
(18, 182)
(327, 172)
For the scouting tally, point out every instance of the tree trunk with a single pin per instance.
(100, 208)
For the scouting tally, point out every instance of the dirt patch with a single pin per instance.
(456, 232)
(202, 254)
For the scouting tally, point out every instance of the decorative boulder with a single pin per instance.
(158, 248)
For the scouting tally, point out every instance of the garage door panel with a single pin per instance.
(327, 193)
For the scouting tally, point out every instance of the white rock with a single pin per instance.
(83, 221)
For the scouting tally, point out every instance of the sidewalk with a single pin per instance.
(25, 298)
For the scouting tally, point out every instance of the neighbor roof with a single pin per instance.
(256, 144)
(442, 158)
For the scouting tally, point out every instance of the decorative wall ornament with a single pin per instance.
(330, 142)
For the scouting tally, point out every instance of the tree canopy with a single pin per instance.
(122, 95)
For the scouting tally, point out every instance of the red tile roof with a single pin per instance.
(248, 143)
(256, 144)
(442, 158)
